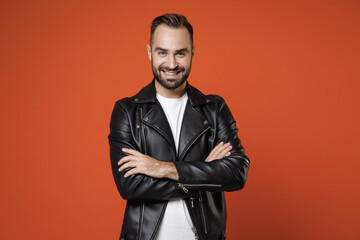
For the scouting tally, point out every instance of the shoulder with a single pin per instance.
(199, 98)
(216, 98)
(146, 94)
(123, 105)
(124, 102)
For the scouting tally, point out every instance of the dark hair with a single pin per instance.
(171, 20)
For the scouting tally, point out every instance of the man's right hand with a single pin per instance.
(221, 150)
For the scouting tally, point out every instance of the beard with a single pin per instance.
(171, 83)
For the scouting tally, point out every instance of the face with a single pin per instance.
(171, 53)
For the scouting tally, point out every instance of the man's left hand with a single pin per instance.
(144, 164)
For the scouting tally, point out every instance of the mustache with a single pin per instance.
(177, 68)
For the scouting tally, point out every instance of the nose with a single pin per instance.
(172, 63)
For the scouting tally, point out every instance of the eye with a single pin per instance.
(180, 54)
(162, 53)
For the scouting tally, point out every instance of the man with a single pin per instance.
(173, 149)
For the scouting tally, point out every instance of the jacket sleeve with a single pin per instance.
(138, 186)
(226, 174)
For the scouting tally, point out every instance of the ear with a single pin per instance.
(149, 51)
(193, 51)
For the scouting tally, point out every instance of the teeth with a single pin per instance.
(170, 73)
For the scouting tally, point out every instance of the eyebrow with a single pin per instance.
(182, 50)
(166, 50)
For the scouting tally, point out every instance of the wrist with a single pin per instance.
(169, 171)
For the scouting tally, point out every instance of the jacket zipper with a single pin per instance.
(183, 186)
(142, 130)
(190, 212)
(143, 204)
(192, 202)
(202, 212)
(196, 233)
(141, 219)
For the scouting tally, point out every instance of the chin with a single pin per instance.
(172, 83)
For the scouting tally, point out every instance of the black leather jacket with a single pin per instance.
(140, 123)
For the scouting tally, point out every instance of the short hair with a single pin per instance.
(172, 20)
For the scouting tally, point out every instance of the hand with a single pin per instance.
(221, 150)
(144, 164)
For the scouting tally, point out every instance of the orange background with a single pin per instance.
(289, 71)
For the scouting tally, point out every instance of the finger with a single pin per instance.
(124, 159)
(131, 151)
(220, 149)
(131, 172)
(221, 152)
(126, 165)
(218, 146)
(215, 149)
(225, 151)
(128, 158)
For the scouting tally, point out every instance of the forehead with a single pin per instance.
(171, 38)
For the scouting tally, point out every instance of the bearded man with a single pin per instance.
(174, 151)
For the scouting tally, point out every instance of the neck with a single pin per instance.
(170, 93)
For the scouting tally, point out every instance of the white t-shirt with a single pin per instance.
(176, 223)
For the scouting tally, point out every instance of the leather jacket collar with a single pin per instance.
(148, 94)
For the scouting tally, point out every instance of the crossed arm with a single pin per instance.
(144, 164)
(138, 176)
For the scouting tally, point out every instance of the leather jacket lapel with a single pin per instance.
(157, 120)
(193, 125)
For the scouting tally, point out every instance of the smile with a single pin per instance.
(171, 73)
